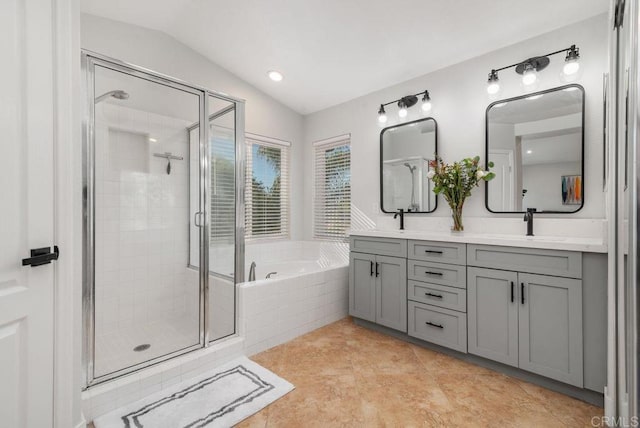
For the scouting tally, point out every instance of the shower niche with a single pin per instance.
(149, 293)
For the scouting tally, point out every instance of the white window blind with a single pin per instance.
(332, 189)
(267, 189)
(223, 211)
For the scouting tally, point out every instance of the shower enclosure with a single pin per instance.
(164, 214)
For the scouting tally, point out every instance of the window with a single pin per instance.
(332, 197)
(267, 189)
(223, 189)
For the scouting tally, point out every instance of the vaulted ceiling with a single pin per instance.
(331, 51)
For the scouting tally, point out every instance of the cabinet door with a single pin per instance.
(362, 286)
(391, 292)
(492, 312)
(550, 324)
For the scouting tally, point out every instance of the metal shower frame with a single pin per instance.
(89, 61)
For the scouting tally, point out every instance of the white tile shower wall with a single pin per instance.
(142, 220)
(273, 312)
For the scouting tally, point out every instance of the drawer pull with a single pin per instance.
(377, 273)
(439, 296)
(512, 294)
(371, 269)
(433, 251)
(522, 292)
(434, 325)
(433, 273)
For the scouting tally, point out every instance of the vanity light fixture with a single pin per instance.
(529, 68)
(426, 102)
(404, 104)
(493, 84)
(571, 61)
(382, 115)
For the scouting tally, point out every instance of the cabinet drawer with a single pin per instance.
(530, 260)
(443, 252)
(438, 295)
(437, 273)
(443, 327)
(382, 246)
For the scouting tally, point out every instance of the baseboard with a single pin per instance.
(591, 397)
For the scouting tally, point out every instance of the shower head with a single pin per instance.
(118, 94)
(411, 168)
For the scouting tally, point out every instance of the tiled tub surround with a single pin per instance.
(309, 291)
(143, 294)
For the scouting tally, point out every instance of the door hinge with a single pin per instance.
(41, 256)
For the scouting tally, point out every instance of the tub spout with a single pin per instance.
(252, 272)
(271, 273)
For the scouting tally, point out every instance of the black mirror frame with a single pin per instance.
(486, 146)
(435, 122)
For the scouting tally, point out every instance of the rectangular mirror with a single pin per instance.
(536, 143)
(405, 152)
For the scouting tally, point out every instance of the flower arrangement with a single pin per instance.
(455, 182)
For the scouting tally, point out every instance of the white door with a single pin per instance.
(501, 187)
(26, 213)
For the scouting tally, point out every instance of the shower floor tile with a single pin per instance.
(115, 351)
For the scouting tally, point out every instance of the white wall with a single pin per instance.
(459, 102)
(162, 53)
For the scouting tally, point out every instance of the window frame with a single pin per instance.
(323, 146)
(285, 147)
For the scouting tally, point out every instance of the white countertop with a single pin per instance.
(586, 245)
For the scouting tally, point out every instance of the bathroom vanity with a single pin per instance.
(534, 304)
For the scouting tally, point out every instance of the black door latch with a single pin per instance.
(41, 256)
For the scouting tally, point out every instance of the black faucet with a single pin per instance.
(528, 217)
(401, 214)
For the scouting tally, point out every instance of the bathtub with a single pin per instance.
(309, 290)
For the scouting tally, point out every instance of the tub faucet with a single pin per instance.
(252, 272)
(400, 213)
(271, 273)
(528, 217)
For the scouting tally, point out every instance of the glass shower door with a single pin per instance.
(222, 226)
(146, 292)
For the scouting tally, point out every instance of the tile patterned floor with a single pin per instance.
(349, 376)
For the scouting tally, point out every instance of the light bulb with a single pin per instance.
(493, 88)
(493, 84)
(571, 68)
(402, 112)
(529, 77)
(382, 115)
(426, 106)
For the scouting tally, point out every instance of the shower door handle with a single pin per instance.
(196, 217)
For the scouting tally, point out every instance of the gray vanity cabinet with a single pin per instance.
(362, 287)
(492, 312)
(391, 292)
(550, 327)
(378, 287)
(527, 320)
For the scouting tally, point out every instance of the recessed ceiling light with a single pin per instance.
(153, 140)
(529, 152)
(276, 76)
